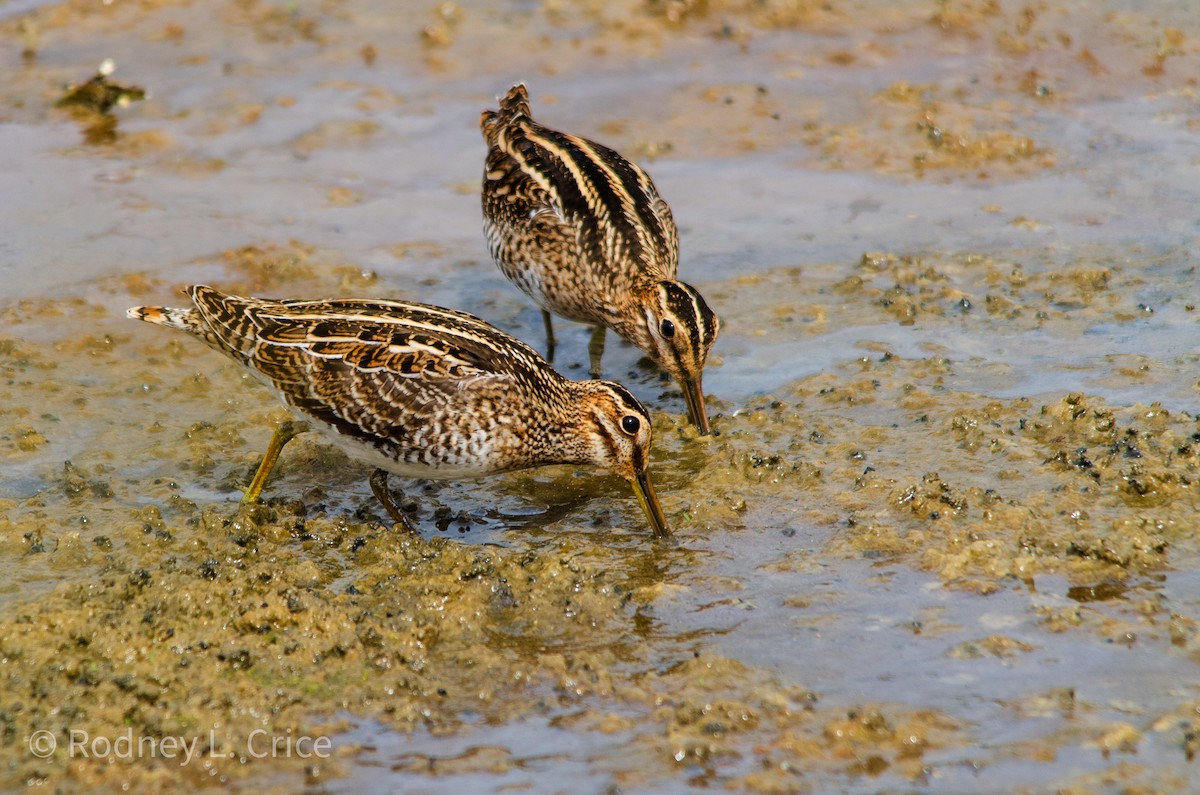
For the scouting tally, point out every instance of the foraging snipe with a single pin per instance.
(584, 233)
(420, 391)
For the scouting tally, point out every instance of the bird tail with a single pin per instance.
(513, 105)
(219, 320)
(171, 317)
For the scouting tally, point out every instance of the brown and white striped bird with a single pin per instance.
(419, 391)
(583, 232)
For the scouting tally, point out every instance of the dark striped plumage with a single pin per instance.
(584, 233)
(422, 391)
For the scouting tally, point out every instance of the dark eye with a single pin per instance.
(668, 329)
(630, 424)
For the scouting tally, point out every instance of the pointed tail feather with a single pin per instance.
(217, 319)
(513, 105)
(171, 317)
(515, 102)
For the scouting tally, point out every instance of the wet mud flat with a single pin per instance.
(945, 540)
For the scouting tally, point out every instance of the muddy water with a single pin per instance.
(945, 541)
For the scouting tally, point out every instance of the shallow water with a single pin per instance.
(945, 541)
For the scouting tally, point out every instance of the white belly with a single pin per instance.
(473, 461)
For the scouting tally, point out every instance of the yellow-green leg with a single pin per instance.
(283, 434)
(549, 335)
(379, 488)
(596, 349)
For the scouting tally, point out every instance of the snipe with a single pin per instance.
(584, 233)
(419, 391)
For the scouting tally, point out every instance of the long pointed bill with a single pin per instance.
(649, 502)
(693, 394)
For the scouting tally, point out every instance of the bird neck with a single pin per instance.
(630, 320)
